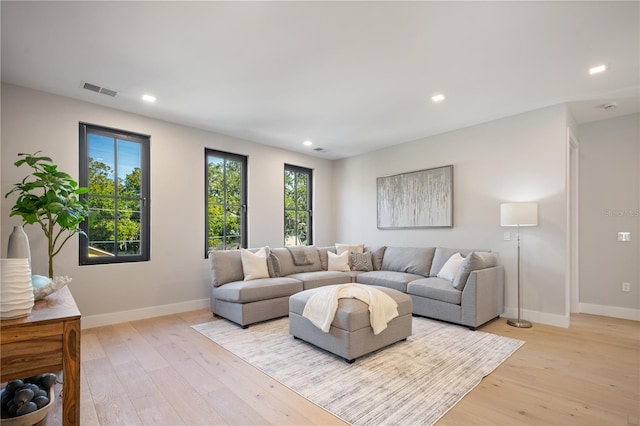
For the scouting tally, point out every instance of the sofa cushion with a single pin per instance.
(283, 264)
(377, 253)
(412, 260)
(473, 262)
(322, 252)
(435, 288)
(321, 278)
(341, 248)
(226, 266)
(361, 261)
(303, 255)
(255, 290)
(391, 279)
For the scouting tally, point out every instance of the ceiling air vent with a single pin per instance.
(98, 89)
(319, 149)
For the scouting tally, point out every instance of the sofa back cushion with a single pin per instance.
(283, 260)
(342, 247)
(226, 266)
(322, 252)
(413, 260)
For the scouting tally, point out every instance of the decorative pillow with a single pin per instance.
(275, 264)
(361, 261)
(338, 262)
(341, 248)
(473, 262)
(254, 265)
(377, 254)
(451, 267)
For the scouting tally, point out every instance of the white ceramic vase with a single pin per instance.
(18, 247)
(16, 291)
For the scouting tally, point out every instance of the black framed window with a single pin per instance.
(115, 166)
(298, 212)
(226, 201)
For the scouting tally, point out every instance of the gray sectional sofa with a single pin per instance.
(473, 297)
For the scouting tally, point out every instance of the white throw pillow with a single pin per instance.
(338, 262)
(451, 268)
(254, 265)
(341, 248)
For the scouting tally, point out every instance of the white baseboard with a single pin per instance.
(533, 316)
(610, 311)
(555, 320)
(143, 313)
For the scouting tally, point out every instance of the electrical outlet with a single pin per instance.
(507, 236)
(626, 287)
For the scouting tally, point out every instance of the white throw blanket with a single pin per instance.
(321, 307)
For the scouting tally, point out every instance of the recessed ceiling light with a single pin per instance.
(148, 98)
(307, 143)
(438, 98)
(597, 69)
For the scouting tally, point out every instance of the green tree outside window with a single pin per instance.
(226, 205)
(297, 206)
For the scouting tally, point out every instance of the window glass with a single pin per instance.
(297, 206)
(226, 215)
(114, 165)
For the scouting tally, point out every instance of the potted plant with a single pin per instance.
(50, 198)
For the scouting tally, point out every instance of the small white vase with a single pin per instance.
(16, 291)
(18, 247)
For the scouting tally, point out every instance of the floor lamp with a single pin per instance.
(519, 214)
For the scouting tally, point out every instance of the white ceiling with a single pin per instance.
(351, 76)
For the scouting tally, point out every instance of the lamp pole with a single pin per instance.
(520, 323)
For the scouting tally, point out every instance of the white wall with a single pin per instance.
(177, 276)
(609, 203)
(520, 158)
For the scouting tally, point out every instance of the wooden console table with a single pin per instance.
(46, 341)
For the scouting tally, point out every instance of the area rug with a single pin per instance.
(414, 382)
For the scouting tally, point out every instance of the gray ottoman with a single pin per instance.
(351, 335)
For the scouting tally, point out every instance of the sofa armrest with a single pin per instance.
(483, 296)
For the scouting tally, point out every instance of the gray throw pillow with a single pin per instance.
(361, 261)
(275, 265)
(377, 253)
(470, 263)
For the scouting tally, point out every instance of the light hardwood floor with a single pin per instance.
(161, 372)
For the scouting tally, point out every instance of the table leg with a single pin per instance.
(71, 373)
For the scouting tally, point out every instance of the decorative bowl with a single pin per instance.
(31, 418)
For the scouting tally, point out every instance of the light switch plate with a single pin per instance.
(507, 236)
(624, 236)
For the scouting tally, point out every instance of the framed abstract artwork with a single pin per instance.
(421, 199)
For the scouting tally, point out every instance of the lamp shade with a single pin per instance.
(519, 214)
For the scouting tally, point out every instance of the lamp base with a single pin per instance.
(519, 323)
